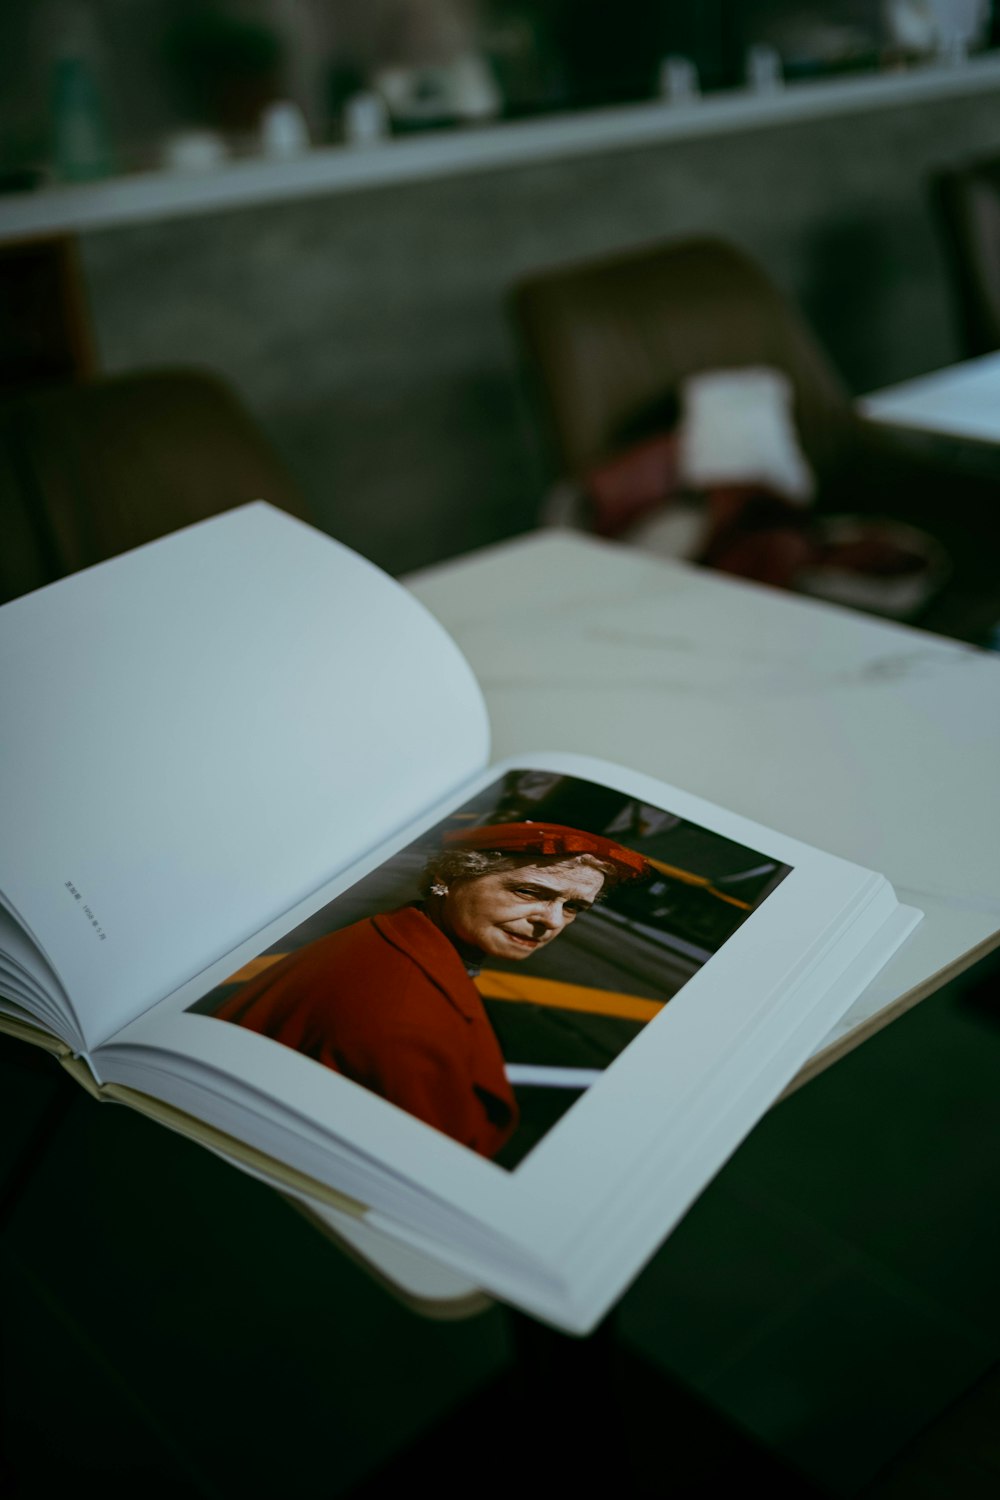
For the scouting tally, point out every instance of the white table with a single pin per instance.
(960, 401)
(874, 741)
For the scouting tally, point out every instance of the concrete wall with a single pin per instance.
(368, 331)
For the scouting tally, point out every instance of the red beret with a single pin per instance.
(547, 838)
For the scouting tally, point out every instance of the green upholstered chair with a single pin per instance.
(606, 343)
(91, 470)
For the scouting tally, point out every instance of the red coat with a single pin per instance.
(388, 1003)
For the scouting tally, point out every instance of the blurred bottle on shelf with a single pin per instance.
(763, 68)
(81, 146)
(678, 80)
(366, 119)
(284, 132)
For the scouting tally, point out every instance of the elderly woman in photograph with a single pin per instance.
(390, 1001)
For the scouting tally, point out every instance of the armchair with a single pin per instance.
(87, 471)
(608, 342)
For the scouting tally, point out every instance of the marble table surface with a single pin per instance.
(874, 741)
(959, 401)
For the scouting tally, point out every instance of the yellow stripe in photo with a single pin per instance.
(561, 996)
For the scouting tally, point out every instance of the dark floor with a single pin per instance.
(825, 1321)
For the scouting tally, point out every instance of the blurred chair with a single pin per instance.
(91, 470)
(608, 343)
(608, 340)
(966, 201)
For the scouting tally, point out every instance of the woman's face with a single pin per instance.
(513, 913)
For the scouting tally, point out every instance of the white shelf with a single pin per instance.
(338, 169)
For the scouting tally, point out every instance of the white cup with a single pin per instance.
(194, 151)
(283, 130)
(366, 119)
(679, 80)
(764, 74)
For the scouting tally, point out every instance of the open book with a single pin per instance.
(259, 880)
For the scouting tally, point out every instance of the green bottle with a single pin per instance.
(81, 151)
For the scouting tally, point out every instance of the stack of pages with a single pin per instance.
(259, 880)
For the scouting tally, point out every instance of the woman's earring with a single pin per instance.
(437, 889)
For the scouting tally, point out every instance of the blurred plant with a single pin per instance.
(224, 71)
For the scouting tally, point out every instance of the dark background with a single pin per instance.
(368, 331)
(171, 1326)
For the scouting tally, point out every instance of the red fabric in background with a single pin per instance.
(632, 484)
(756, 534)
(751, 532)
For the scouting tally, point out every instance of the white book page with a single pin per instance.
(200, 732)
(781, 964)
